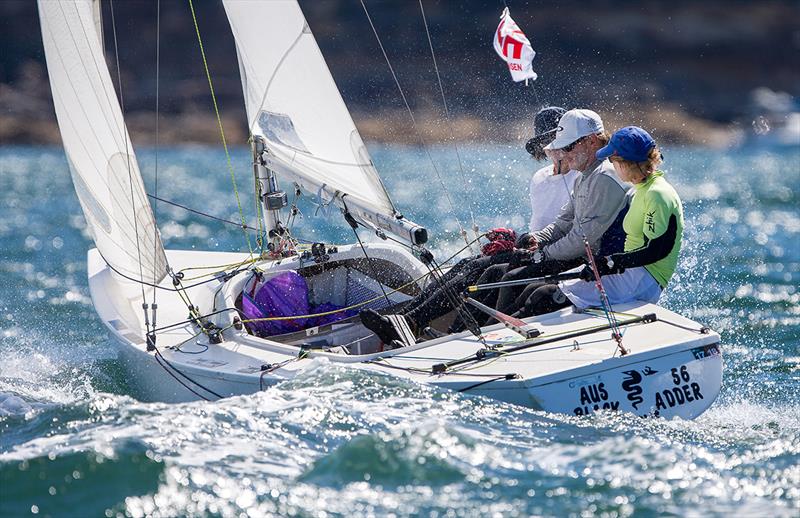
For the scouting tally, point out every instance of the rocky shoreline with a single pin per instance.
(689, 72)
(669, 124)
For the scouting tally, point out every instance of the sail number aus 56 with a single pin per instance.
(684, 391)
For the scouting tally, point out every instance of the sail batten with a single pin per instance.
(99, 151)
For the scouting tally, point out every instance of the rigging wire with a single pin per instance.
(159, 358)
(354, 225)
(154, 304)
(607, 309)
(471, 195)
(414, 123)
(199, 213)
(354, 306)
(458, 306)
(221, 130)
(158, 286)
(128, 156)
(504, 377)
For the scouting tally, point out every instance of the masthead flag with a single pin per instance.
(513, 46)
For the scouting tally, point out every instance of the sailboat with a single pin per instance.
(238, 338)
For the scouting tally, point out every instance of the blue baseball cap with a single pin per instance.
(631, 143)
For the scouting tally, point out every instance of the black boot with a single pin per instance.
(380, 325)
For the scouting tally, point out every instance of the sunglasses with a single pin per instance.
(568, 148)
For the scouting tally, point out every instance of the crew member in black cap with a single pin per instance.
(549, 190)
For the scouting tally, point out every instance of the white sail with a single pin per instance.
(293, 102)
(100, 154)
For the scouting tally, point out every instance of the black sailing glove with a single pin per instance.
(605, 266)
(527, 240)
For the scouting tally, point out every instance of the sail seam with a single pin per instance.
(105, 93)
(272, 77)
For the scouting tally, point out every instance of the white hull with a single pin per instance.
(671, 371)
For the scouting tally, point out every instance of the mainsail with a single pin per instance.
(99, 150)
(293, 102)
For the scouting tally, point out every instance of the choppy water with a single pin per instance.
(74, 440)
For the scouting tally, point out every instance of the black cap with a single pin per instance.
(545, 124)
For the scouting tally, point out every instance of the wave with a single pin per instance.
(81, 483)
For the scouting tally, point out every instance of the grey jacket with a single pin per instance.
(598, 196)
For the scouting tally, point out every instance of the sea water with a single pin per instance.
(76, 441)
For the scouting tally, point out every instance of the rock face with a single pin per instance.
(684, 69)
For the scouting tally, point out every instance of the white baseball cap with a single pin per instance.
(573, 125)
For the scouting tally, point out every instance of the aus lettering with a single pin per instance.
(595, 393)
(594, 397)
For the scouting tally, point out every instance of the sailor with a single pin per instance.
(548, 193)
(594, 213)
(550, 186)
(584, 134)
(653, 232)
(550, 189)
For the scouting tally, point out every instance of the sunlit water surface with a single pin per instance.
(75, 441)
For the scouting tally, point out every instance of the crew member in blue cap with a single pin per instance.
(653, 231)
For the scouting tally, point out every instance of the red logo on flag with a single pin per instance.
(510, 41)
(513, 46)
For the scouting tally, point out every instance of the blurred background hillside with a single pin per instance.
(718, 73)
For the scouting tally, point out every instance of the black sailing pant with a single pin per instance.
(520, 299)
(442, 295)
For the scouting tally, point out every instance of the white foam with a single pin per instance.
(13, 405)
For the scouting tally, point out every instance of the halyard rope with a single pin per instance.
(128, 163)
(221, 130)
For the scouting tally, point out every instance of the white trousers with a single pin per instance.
(632, 284)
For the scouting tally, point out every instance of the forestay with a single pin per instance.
(293, 102)
(100, 154)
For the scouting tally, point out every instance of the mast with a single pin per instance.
(272, 198)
